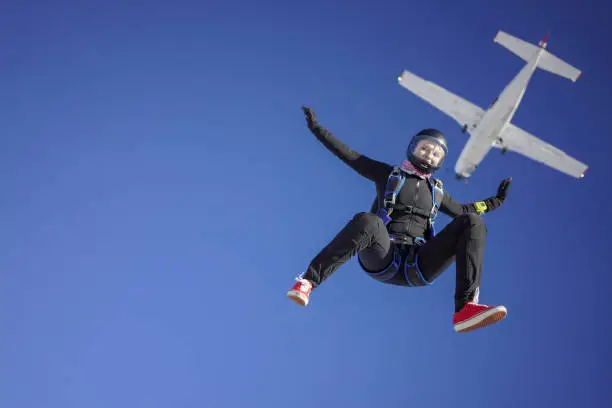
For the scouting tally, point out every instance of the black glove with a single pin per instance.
(311, 118)
(502, 190)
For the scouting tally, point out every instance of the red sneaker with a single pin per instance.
(474, 316)
(300, 292)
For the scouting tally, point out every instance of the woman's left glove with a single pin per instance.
(502, 190)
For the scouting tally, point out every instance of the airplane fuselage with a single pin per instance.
(485, 134)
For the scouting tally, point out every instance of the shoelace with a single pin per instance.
(304, 284)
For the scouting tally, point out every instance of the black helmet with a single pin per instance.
(426, 134)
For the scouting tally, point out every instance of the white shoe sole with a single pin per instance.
(298, 297)
(483, 319)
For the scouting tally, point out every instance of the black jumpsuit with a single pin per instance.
(463, 239)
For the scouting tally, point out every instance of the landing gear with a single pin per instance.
(461, 177)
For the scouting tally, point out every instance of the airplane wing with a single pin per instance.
(519, 141)
(464, 112)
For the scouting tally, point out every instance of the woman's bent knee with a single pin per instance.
(475, 223)
(367, 220)
(472, 219)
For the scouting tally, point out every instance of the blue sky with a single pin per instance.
(160, 192)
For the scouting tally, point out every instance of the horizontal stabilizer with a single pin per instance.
(527, 52)
(555, 65)
(521, 48)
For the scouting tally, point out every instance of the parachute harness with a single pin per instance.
(405, 250)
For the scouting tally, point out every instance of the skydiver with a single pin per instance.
(395, 241)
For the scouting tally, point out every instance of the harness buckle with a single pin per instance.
(419, 241)
(405, 240)
(388, 203)
(400, 240)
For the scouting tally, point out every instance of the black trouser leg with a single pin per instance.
(462, 240)
(365, 232)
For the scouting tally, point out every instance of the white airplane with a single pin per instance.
(492, 128)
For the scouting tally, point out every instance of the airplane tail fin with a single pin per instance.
(527, 51)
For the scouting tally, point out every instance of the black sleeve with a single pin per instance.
(452, 208)
(369, 168)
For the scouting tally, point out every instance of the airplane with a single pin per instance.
(492, 128)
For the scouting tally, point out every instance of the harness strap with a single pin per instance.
(412, 210)
(395, 182)
(404, 268)
(388, 202)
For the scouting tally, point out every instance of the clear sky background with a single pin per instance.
(161, 191)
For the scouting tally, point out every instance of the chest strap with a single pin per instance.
(388, 202)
